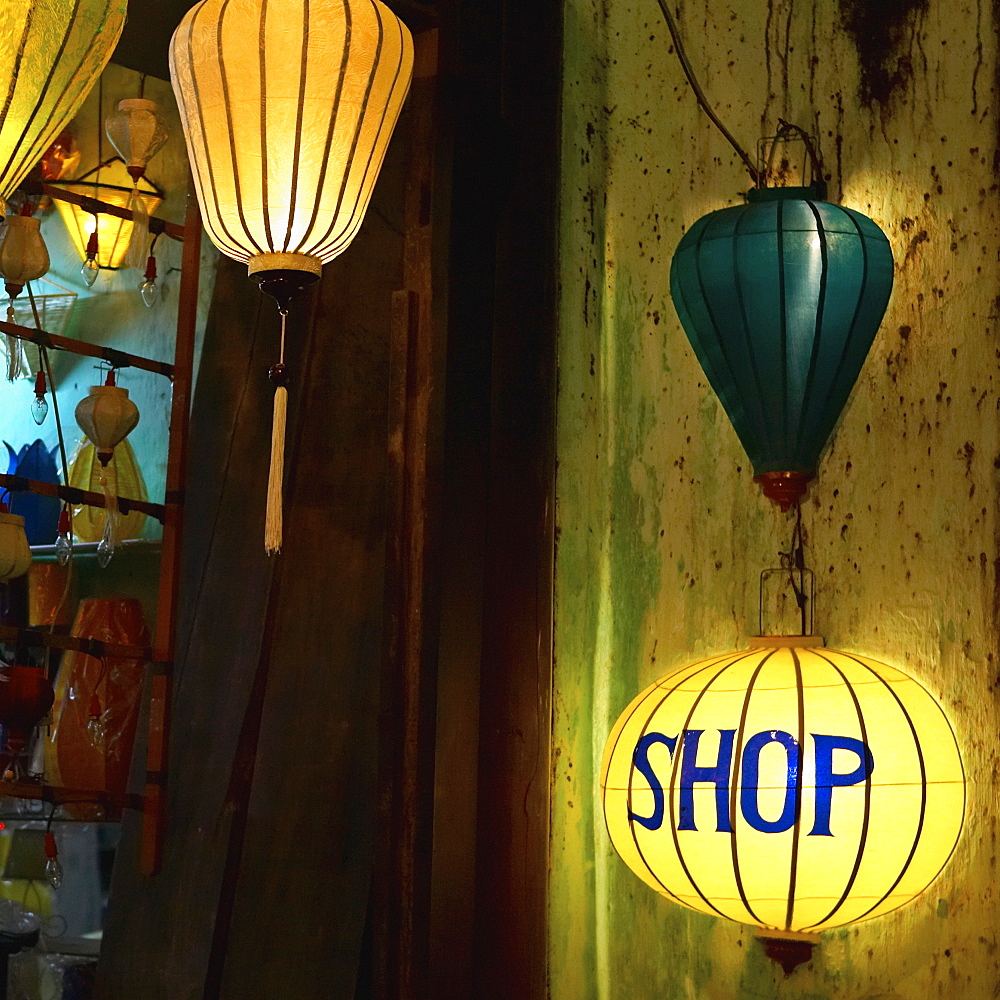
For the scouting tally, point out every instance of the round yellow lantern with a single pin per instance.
(787, 786)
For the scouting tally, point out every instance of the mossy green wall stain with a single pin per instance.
(662, 532)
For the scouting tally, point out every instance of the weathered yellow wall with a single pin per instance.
(662, 531)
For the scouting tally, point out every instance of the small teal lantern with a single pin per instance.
(781, 299)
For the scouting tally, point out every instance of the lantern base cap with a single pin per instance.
(285, 262)
(283, 285)
(789, 949)
(784, 488)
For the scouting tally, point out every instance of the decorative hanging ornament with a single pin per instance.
(23, 258)
(781, 299)
(107, 416)
(149, 289)
(788, 786)
(287, 108)
(51, 55)
(53, 305)
(15, 555)
(138, 131)
(103, 240)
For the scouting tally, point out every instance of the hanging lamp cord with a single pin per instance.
(794, 561)
(700, 94)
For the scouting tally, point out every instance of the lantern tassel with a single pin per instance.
(273, 526)
(136, 254)
(14, 367)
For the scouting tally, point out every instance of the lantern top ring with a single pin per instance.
(284, 262)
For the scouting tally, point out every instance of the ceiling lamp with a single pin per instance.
(781, 299)
(104, 239)
(788, 786)
(287, 108)
(51, 54)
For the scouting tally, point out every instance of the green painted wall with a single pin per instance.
(662, 532)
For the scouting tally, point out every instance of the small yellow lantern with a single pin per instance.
(788, 786)
(51, 54)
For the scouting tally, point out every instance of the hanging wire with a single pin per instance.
(794, 562)
(785, 131)
(700, 94)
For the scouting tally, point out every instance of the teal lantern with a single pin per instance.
(781, 299)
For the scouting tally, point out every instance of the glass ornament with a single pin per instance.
(89, 272)
(53, 868)
(39, 410)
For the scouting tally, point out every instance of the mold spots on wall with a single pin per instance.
(886, 36)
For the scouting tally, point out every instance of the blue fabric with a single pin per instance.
(41, 514)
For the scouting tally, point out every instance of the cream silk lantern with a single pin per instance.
(787, 786)
(51, 54)
(107, 416)
(287, 108)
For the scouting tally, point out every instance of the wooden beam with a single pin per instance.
(72, 495)
(151, 851)
(115, 358)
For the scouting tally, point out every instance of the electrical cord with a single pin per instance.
(700, 94)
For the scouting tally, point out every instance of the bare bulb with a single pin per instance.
(39, 410)
(64, 550)
(54, 872)
(150, 292)
(96, 731)
(105, 551)
(89, 272)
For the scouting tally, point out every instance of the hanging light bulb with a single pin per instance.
(64, 541)
(138, 131)
(107, 416)
(40, 407)
(95, 724)
(149, 289)
(23, 258)
(285, 171)
(53, 869)
(91, 268)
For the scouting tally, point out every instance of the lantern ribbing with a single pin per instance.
(51, 53)
(788, 786)
(287, 108)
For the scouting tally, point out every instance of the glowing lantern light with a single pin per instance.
(51, 54)
(287, 108)
(781, 299)
(113, 233)
(788, 786)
